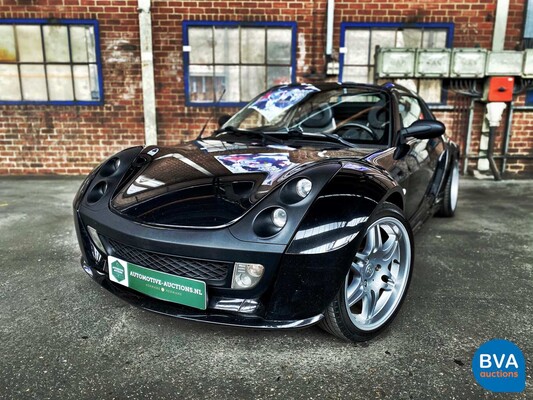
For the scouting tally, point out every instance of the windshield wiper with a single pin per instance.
(264, 136)
(297, 132)
(337, 138)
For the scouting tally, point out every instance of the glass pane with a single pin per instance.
(56, 43)
(78, 43)
(226, 46)
(279, 46)
(227, 77)
(433, 38)
(201, 42)
(355, 74)
(253, 45)
(252, 82)
(381, 38)
(7, 44)
(82, 83)
(201, 83)
(356, 43)
(93, 72)
(409, 38)
(60, 82)
(33, 82)
(29, 43)
(430, 90)
(278, 75)
(9, 82)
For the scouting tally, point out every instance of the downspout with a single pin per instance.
(147, 65)
(500, 25)
(329, 29)
(498, 41)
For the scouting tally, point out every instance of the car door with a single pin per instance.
(420, 160)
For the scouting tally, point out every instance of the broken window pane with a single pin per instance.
(33, 82)
(279, 46)
(29, 43)
(253, 46)
(56, 43)
(9, 82)
(60, 82)
(8, 52)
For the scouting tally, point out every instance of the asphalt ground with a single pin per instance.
(64, 337)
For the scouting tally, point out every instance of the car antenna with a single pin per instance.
(211, 116)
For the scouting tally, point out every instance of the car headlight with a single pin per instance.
(303, 187)
(246, 275)
(279, 217)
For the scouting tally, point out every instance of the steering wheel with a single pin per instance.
(360, 129)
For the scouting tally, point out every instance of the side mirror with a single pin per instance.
(424, 129)
(222, 119)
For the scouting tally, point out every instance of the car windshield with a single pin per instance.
(350, 114)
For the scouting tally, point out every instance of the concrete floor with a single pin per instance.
(63, 337)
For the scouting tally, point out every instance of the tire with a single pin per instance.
(377, 282)
(451, 192)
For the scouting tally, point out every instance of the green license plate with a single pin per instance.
(163, 286)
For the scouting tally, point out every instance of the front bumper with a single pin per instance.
(229, 316)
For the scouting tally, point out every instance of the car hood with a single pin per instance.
(209, 183)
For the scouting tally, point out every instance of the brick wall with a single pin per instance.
(71, 140)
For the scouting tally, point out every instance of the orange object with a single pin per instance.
(501, 88)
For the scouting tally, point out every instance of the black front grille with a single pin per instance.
(186, 267)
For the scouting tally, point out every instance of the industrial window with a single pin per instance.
(50, 62)
(235, 61)
(359, 42)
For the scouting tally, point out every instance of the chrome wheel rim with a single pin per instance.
(378, 275)
(454, 187)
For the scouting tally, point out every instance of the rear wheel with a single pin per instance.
(377, 282)
(451, 192)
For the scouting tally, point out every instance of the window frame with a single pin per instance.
(238, 24)
(449, 26)
(60, 22)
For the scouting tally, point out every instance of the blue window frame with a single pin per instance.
(358, 42)
(48, 61)
(234, 61)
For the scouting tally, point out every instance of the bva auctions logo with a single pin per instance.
(499, 366)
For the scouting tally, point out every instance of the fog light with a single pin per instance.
(96, 239)
(246, 276)
(303, 187)
(279, 217)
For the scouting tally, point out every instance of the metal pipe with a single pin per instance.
(500, 25)
(147, 65)
(490, 154)
(469, 135)
(329, 27)
(505, 156)
(507, 137)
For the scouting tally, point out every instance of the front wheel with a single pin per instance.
(451, 192)
(377, 282)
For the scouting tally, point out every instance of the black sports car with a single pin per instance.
(298, 210)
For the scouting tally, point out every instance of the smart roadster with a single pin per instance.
(299, 209)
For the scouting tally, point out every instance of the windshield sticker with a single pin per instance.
(274, 164)
(274, 102)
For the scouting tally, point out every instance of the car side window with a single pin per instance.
(410, 110)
